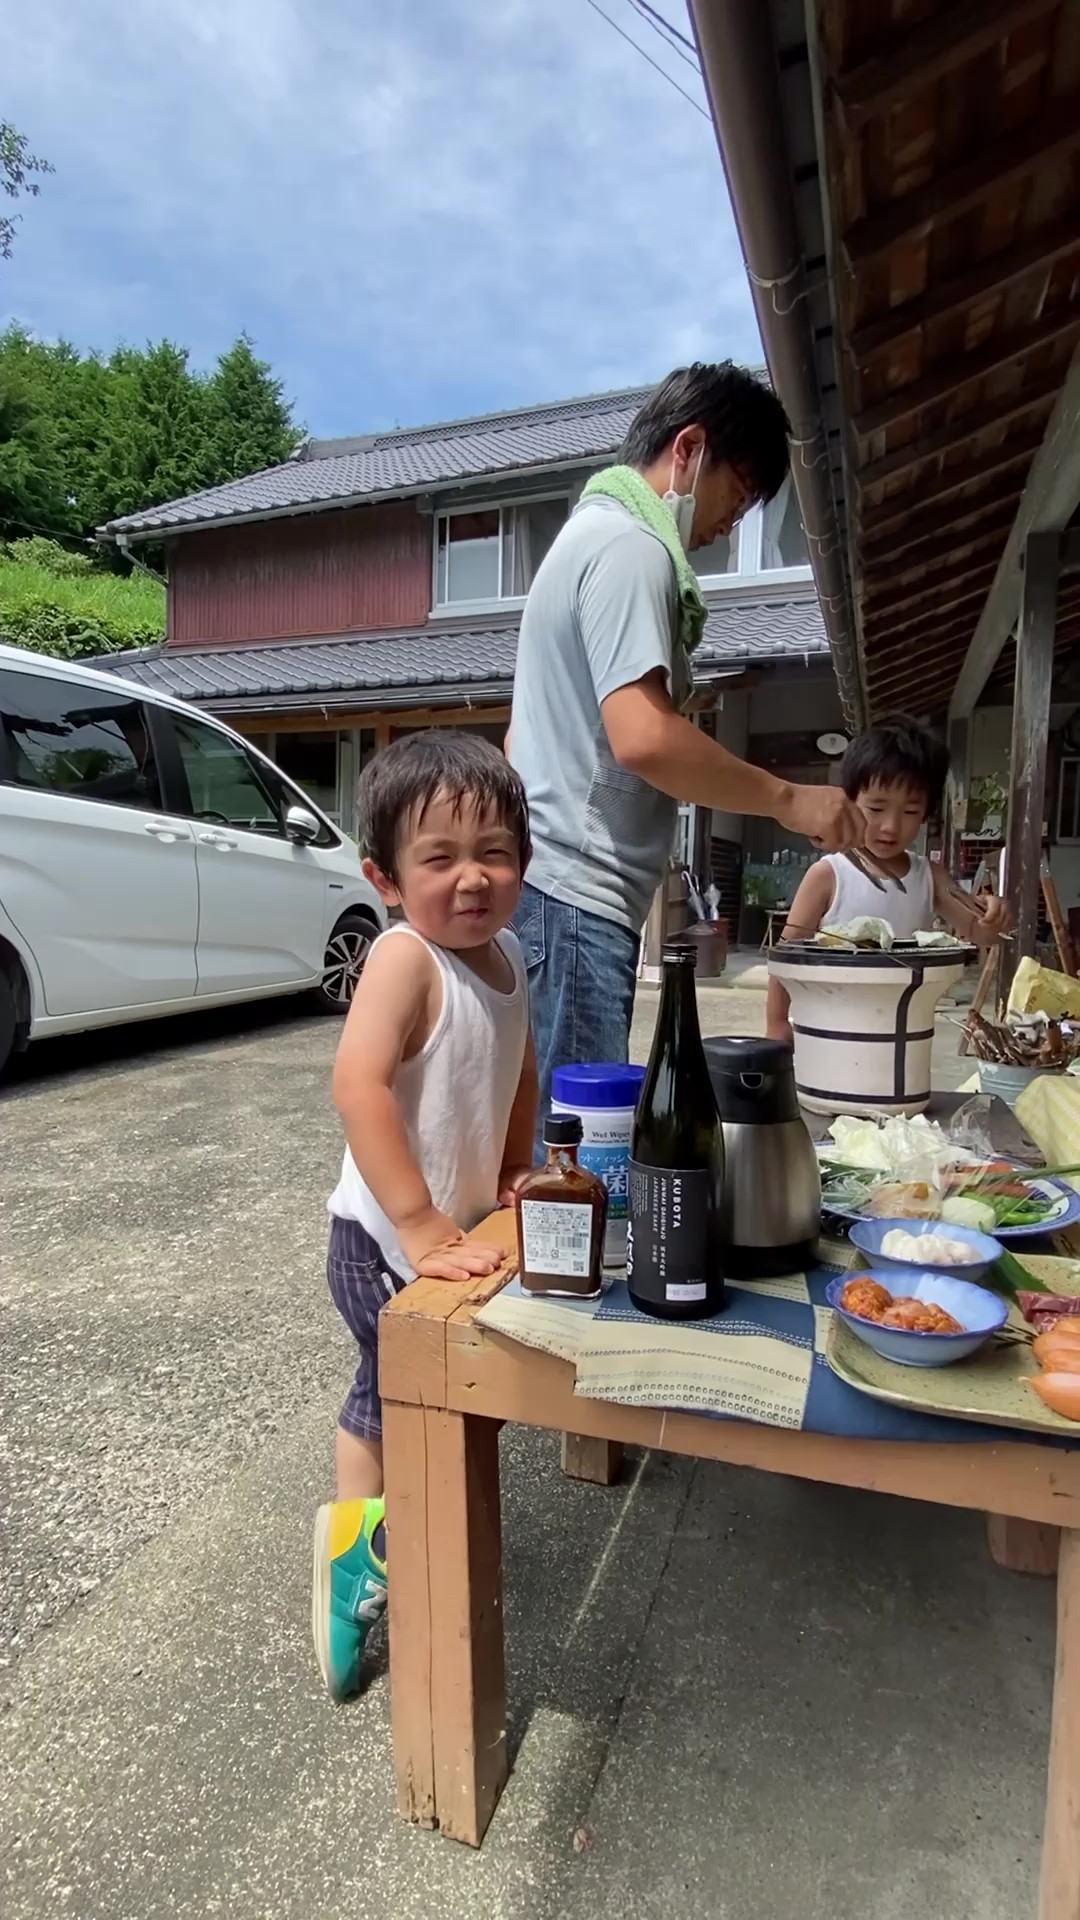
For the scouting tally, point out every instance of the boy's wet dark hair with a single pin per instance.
(898, 751)
(397, 786)
(745, 424)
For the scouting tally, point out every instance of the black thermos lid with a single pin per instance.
(753, 1079)
(562, 1130)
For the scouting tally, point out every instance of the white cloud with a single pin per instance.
(416, 209)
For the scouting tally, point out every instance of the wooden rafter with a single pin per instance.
(929, 687)
(940, 45)
(923, 696)
(941, 299)
(937, 650)
(956, 190)
(930, 536)
(944, 583)
(896, 509)
(973, 597)
(959, 432)
(934, 637)
(928, 569)
(948, 375)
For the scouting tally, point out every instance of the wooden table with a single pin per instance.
(448, 1385)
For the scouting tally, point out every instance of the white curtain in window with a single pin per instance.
(783, 542)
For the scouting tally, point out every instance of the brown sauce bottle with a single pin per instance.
(561, 1214)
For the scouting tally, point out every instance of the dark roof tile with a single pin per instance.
(411, 459)
(379, 666)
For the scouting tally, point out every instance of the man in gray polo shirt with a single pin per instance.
(597, 730)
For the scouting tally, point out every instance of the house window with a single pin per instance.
(1068, 820)
(720, 557)
(766, 540)
(493, 553)
(783, 542)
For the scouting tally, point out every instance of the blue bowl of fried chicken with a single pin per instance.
(917, 1319)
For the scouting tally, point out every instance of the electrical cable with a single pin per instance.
(657, 22)
(662, 71)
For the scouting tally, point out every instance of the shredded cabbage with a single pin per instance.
(899, 1145)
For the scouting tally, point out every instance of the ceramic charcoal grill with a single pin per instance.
(864, 1022)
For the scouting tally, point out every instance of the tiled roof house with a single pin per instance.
(373, 584)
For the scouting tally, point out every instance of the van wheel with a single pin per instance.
(346, 953)
(8, 1016)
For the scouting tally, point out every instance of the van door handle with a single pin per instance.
(161, 830)
(216, 840)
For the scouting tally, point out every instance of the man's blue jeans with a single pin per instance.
(582, 975)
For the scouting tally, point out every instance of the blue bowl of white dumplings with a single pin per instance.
(869, 1236)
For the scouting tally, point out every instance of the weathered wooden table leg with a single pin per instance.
(1024, 1546)
(447, 1664)
(584, 1458)
(1059, 1882)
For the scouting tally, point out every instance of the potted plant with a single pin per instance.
(761, 893)
(989, 800)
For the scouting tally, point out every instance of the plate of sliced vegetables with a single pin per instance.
(992, 1197)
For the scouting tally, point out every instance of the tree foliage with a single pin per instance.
(17, 168)
(84, 438)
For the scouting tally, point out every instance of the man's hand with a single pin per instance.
(825, 815)
(992, 918)
(435, 1245)
(510, 1179)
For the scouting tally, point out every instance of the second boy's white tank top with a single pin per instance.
(906, 913)
(455, 1095)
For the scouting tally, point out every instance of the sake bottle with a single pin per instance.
(674, 1263)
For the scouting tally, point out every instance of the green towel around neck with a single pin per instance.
(632, 491)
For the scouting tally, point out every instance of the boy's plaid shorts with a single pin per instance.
(361, 1282)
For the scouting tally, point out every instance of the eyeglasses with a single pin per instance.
(746, 496)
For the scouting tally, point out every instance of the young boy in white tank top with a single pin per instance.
(435, 1082)
(895, 773)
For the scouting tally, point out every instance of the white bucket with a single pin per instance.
(864, 1023)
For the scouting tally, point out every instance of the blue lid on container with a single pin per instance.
(597, 1085)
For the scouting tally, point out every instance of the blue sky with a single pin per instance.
(418, 208)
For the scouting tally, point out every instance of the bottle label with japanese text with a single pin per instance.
(670, 1237)
(557, 1238)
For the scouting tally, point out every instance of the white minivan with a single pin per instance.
(152, 862)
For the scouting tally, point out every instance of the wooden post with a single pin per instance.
(1030, 732)
(1059, 1880)
(597, 1461)
(956, 791)
(448, 1683)
(1023, 1546)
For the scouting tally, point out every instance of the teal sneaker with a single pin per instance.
(348, 1589)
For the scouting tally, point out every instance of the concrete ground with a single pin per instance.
(732, 1697)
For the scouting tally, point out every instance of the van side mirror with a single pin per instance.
(301, 826)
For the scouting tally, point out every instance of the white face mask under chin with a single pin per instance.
(684, 505)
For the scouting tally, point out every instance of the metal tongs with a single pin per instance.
(865, 864)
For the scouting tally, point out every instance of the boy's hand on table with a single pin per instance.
(438, 1250)
(510, 1179)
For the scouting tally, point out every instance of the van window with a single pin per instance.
(83, 741)
(224, 784)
